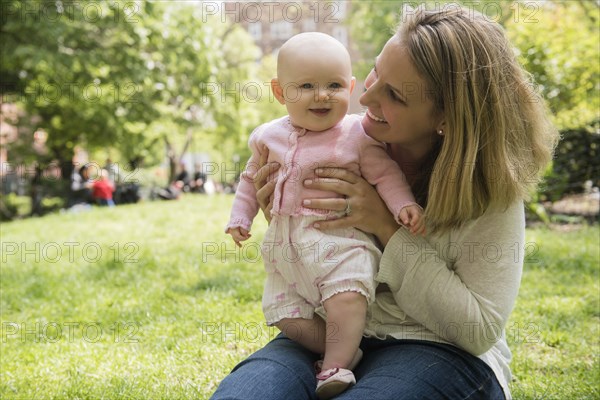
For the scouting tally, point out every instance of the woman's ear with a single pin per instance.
(277, 90)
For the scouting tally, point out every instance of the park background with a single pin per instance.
(151, 300)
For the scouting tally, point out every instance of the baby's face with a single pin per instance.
(316, 88)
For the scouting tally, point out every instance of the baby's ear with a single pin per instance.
(277, 90)
(352, 83)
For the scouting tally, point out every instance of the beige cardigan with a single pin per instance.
(459, 287)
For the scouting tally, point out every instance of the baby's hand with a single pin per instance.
(239, 235)
(412, 218)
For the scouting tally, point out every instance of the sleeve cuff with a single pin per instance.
(238, 223)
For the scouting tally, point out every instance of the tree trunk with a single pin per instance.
(174, 159)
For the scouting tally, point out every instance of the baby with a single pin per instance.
(307, 268)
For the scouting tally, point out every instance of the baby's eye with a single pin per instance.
(306, 86)
(335, 85)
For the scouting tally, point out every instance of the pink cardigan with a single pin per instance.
(300, 152)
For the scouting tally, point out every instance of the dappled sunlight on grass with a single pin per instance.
(154, 301)
(558, 316)
(127, 302)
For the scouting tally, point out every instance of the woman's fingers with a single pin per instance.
(264, 156)
(330, 185)
(263, 195)
(264, 169)
(337, 173)
(336, 180)
(367, 211)
(264, 187)
(325, 204)
(263, 173)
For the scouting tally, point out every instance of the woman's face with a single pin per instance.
(399, 109)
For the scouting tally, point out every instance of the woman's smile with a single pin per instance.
(374, 117)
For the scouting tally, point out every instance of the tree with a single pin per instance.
(69, 65)
(558, 45)
(374, 22)
(127, 75)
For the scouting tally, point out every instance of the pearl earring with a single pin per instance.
(440, 132)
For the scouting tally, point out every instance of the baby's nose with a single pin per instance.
(323, 94)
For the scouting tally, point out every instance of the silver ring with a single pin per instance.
(348, 209)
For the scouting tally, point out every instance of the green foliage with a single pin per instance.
(13, 206)
(371, 27)
(53, 203)
(124, 75)
(374, 22)
(557, 42)
(80, 77)
(178, 306)
(537, 211)
(262, 104)
(576, 161)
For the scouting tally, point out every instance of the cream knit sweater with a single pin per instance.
(459, 287)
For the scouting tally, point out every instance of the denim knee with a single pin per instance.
(282, 370)
(411, 369)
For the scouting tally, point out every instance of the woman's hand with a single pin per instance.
(368, 212)
(264, 188)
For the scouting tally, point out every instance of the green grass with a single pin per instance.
(168, 306)
(554, 331)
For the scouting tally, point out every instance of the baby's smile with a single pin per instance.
(320, 111)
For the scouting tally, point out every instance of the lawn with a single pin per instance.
(153, 301)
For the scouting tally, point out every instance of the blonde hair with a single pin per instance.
(497, 138)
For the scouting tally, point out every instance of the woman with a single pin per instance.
(460, 118)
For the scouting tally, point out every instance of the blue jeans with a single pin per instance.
(390, 370)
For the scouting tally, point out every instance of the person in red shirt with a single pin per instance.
(103, 189)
